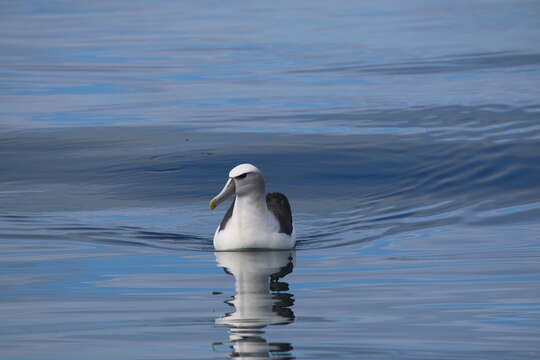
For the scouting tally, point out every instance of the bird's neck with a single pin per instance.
(251, 215)
(251, 202)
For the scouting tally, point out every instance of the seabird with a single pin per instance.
(253, 221)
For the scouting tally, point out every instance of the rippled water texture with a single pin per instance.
(405, 134)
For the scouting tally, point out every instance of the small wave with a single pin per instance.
(364, 225)
(435, 65)
(46, 229)
(491, 214)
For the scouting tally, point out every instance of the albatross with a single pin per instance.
(255, 220)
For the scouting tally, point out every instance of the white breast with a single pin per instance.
(252, 226)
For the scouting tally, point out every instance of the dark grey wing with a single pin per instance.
(227, 216)
(278, 204)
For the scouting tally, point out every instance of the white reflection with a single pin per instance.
(260, 300)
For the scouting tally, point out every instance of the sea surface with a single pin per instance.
(406, 135)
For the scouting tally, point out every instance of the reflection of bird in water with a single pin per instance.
(258, 301)
(254, 220)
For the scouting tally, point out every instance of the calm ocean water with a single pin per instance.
(405, 134)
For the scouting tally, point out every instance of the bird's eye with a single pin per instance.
(241, 176)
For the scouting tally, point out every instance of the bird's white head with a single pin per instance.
(244, 180)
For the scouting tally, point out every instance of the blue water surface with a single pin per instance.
(406, 136)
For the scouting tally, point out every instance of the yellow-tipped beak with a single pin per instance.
(228, 190)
